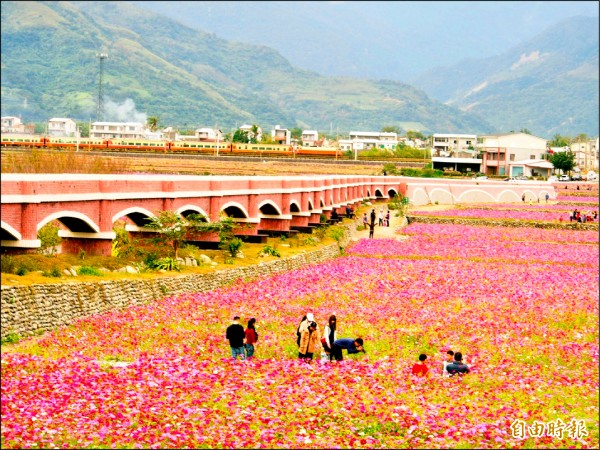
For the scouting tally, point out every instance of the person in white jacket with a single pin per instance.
(329, 335)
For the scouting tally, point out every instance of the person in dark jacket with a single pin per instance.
(457, 366)
(235, 335)
(351, 345)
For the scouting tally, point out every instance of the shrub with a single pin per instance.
(234, 246)
(11, 338)
(336, 232)
(87, 270)
(167, 263)
(268, 250)
(49, 238)
(53, 273)
(8, 264)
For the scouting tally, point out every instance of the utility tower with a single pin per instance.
(100, 110)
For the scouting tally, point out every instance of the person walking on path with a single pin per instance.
(309, 342)
(365, 221)
(387, 218)
(329, 335)
(373, 215)
(351, 345)
(372, 229)
(251, 338)
(381, 217)
(235, 335)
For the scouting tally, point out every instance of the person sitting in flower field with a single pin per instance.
(309, 342)
(420, 369)
(351, 345)
(457, 366)
(449, 359)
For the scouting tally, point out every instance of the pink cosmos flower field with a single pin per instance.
(520, 303)
(497, 214)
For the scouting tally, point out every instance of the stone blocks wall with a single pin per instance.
(29, 310)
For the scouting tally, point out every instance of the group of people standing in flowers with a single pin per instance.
(310, 340)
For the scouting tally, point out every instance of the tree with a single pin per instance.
(240, 136)
(253, 135)
(84, 128)
(296, 133)
(172, 227)
(391, 129)
(559, 141)
(152, 123)
(525, 130)
(581, 138)
(412, 135)
(564, 161)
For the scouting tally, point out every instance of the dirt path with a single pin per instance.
(391, 232)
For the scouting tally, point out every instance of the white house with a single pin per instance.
(365, 140)
(586, 155)
(309, 138)
(500, 151)
(12, 124)
(531, 168)
(118, 130)
(281, 135)
(458, 145)
(58, 126)
(208, 134)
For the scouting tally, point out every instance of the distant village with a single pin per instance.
(510, 154)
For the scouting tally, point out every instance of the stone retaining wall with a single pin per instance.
(29, 310)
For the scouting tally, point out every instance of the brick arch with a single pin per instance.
(9, 233)
(295, 206)
(269, 208)
(235, 210)
(476, 195)
(392, 192)
(73, 220)
(186, 210)
(378, 193)
(310, 205)
(136, 214)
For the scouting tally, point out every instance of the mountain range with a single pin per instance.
(548, 83)
(191, 78)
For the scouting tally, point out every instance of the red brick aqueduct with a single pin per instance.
(89, 205)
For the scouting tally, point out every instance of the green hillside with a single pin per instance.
(186, 77)
(548, 85)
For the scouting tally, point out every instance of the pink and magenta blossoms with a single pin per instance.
(520, 303)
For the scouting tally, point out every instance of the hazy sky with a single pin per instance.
(376, 39)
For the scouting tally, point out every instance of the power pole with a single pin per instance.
(100, 110)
